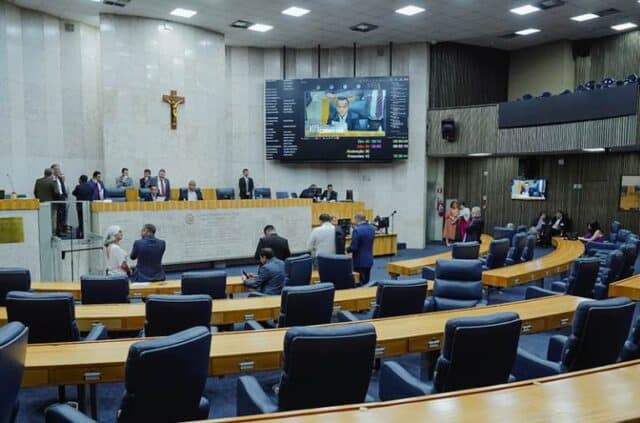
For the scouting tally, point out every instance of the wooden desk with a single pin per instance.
(557, 261)
(20, 204)
(607, 393)
(629, 288)
(383, 244)
(234, 352)
(128, 317)
(414, 266)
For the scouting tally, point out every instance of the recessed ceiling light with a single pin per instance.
(593, 150)
(295, 11)
(183, 13)
(260, 27)
(527, 31)
(624, 26)
(479, 154)
(585, 17)
(241, 24)
(363, 27)
(410, 10)
(524, 10)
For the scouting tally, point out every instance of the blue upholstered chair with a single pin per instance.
(297, 270)
(581, 279)
(615, 227)
(477, 352)
(608, 82)
(262, 193)
(104, 289)
(394, 298)
(323, 366)
(143, 192)
(630, 255)
(116, 195)
(168, 314)
(458, 284)
(545, 94)
(632, 78)
(500, 232)
(518, 243)
(607, 274)
(13, 279)
(598, 332)
(459, 250)
(282, 195)
(337, 269)
(212, 283)
(529, 249)
(631, 348)
(13, 349)
(527, 97)
(566, 92)
(497, 256)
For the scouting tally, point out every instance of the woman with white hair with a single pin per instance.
(116, 257)
(475, 229)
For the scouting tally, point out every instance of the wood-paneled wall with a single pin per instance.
(469, 179)
(463, 75)
(616, 56)
(476, 128)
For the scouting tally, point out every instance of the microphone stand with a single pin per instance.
(392, 216)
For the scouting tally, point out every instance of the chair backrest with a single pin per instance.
(326, 366)
(306, 305)
(631, 348)
(630, 254)
(50, 317)
(225, 193)
(477, 351)
(13, 279)
(615, 227)
(280, 195)
(529, 248)
(104, 289)
(294, 195)
(518, 242)
(143, 192)
(598, 333)
(165, 377)
(614, 267)
(337, 269)
(259, 193)
(622, 235)
(583, 277)
(498, 250)
(168, 314)
(458, 283)
(13, 349)
(500, 232)
(399, 298)
(457, 270)
(522, 228)
(465, 250)
(212, 283)
(297, 270)
(349, 195)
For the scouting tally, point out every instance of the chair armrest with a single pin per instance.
(429, 273)
(370, 284)
(591, 246)
(252, 325)
(253, 294)
(396, 383)
(62, 413)
(429, 305)
(482, 303)
(537, 292)
(559, 286)
(252, 399)
(509, 261)
(556, 344)
(98, 331)
(529, 366)
(600, 291)
(347, 316)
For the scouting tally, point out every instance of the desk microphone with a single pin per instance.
(394, 212)
(13, 188)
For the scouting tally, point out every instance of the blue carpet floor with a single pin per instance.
(221, 391)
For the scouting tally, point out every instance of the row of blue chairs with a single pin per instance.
(607, 82)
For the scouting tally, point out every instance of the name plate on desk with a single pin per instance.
(11, 230)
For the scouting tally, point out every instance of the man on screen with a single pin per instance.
(342, 114)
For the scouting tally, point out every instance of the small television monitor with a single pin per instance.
(225, 193)
(260, 193)
(629, 193)
(529, 189)
(349, 196)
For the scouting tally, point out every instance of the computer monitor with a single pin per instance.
(349, 195)
(262, 193)
(2, 194)
(345, 224)
(225, 193)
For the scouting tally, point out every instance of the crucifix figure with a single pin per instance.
(173, 101)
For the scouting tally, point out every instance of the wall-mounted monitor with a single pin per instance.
(629, 193)
(337, 119)
(529, 189)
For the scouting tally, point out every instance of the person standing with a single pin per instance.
(82, 192)
(322, 241)
(339, 236)
(464, 220)
(245, 184)
(115, 256)
(192, 193)
(450, 223)
(270, 278)
(97, 186)
(45, 188)
(361, 247)
(163, 184)
(148, 250)
(475, 229)
(279, 245)
(60, 208)
(124, 180)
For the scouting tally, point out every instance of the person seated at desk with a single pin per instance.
(124, 180)
(279, 245)
(116, 257)
(310, 192)
(560, 224)
(148, 250)
(342, 114)
(190, 194)
(163, 184)
(152, 195)
(270, 278)
(145, 181)
(329, 194)
(594, 233)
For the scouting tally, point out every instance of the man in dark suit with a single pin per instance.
(97, 186)
(476, 227)
(145, 181)
(163, 184)
(270, 278)
(339, 235)
(82, 192)
(361, 247)
(45, 188)
(310, 192)
(148, 250)
(61, 209)
(191, 193)
(279, 245)
(342, 114)
(152, 195)
(329, 194)
(246, 185)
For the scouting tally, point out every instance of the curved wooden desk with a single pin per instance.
(557, 261)
(235, 352)
(414, 266)
(629, 288)
(607, 393)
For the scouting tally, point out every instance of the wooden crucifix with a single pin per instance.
(173, 101)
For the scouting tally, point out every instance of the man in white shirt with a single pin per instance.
(322, 240)
(191, 193)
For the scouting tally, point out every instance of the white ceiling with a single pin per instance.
(479, 22)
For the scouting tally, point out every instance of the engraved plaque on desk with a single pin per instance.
(11, 230)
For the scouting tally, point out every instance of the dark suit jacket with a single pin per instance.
(352, 119)
(45, 190)
(339, 240)
(362, 245)
(62, 195)
(94, 192)
(144, 183)
(307, 193)
(474, 230)
(332, 197)
(185, 197)
(167, 187)
(245, 191)
(278, 244)
(270, 279)
(148, 251)
(147, 197)
(83, 192)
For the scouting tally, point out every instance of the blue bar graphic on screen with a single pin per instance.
(337, 119)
